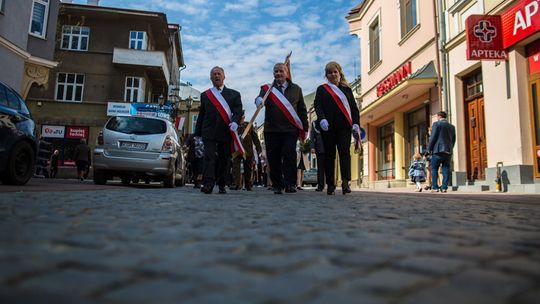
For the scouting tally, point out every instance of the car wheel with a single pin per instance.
(21, 164)
(169, 181)
(100, 177)
(125, 180)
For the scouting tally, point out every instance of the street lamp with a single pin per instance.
(189, 104)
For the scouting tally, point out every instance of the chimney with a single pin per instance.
(92, 2)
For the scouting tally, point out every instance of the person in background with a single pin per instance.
(53, 166)
(317, 148)
(82, 158)
(441, 146)
(246, 161)
(417, 172)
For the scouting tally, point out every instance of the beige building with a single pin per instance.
(399, 90)
(494, 104)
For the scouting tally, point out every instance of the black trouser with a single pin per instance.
(340, 138)
(281, 152)
(320, 170)
(216, 158)
(247, 171)
(54, 171)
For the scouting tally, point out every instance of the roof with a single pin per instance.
(357, 8)
(425, 72)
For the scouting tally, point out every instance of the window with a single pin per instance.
(374, 44)
(473, 85)
(386, 161)
(1, 6)
(136, 125)
(38, 23)
(137, 40)
(408, 16)
(69, 87)
(75, 37)
(417, 132)
(134, 89)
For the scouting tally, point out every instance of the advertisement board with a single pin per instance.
(520, 21)
(484, 38)
(49, 131)
(118, 109)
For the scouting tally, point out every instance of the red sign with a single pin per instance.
(520, 22)
(77, 132)
(393, 80)
(534, 63)
(484, 39)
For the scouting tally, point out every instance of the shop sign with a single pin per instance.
(484, 38)
(53, 131)
(534, 63)
(520, 22)
(394, 79)
(151, 110)
(118, 109)
(77, 132)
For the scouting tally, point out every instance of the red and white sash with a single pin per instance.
(286, 107)
(343, 104)
(225, 112)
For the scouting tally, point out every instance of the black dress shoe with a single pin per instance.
(222, 190)
(290, 190)
(206, 189)
(319, 189)
(233, 187)
(277, 191)
(346, 189)
(331, 190)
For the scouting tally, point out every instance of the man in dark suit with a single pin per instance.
(441, 146)
(215, 132)
(280, 134)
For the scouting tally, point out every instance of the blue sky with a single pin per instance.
(246, 38)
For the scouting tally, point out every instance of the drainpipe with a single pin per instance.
(442, 56)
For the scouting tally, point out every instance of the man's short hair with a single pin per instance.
(442, 114)
(219, 68)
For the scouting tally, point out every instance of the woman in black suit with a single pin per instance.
(338, 117)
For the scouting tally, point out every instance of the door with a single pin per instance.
(534, 97)
(477, 147)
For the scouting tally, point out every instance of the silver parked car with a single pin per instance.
(139, 148)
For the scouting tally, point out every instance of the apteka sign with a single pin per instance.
(484, 38)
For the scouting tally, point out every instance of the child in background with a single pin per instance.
(417, 172)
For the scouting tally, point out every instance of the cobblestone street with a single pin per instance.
(153, 245)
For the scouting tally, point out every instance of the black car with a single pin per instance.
(18, 142)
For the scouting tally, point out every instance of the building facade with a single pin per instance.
(27, 42)
(495, 103)
(106, 55)
(400, 91)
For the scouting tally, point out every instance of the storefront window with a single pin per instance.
(536, 122)
(417, 133)
(386, 159)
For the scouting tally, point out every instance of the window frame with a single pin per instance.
(45, 18)
(375, 23)
(143, 40)
(66, 84)
(71, 35)
(131, 89)
(405, 12)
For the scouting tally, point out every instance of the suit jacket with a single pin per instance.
(326, 108)
(210, 125)
(443, 137)
(275, 120)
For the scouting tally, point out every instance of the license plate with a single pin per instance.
(132, 145)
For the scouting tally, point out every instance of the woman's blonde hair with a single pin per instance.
(335, 65)
(417, 156)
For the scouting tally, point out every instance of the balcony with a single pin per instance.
(150, 59)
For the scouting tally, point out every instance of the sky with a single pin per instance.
(247, 37)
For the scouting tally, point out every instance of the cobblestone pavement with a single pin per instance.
(153, 245)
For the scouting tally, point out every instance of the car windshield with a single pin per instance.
(136, 125)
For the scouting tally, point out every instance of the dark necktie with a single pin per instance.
(282, 89)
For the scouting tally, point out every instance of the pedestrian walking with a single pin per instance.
(247, 160)
(217, 124)
(417, 172)
(53, 164)
(195, 159)
(285, 120)
(441, 146)
(317, 148)
(338, 117)
(301, 158)
(82, 158)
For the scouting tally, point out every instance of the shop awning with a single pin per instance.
(416, 84)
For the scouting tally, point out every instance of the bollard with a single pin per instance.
(498, 179)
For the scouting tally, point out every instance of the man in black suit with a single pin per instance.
(441, 146)
(215, 131)
(280, 133)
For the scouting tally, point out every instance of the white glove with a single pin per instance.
(258, 101)
(324, 124)
(233, 126)
(356, 128)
